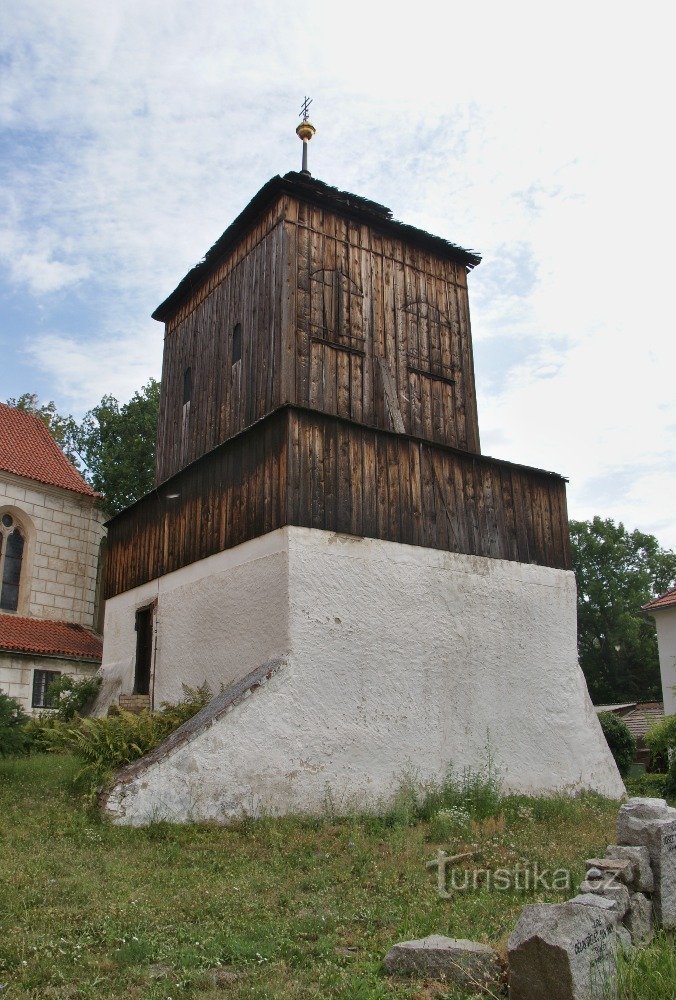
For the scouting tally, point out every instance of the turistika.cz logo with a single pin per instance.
(520, 878)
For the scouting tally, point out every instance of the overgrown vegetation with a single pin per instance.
(72, 696)
(619, 739)
(661, 739)
(104, 744)
(13, 739)
(297, 908)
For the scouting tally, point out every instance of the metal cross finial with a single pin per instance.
(305, 131)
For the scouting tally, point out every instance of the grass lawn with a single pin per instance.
(290, 908)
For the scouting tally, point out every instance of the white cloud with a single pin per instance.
(137, 132)
(83, 372)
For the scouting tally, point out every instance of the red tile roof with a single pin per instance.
(28, 449)
(667, 600)
(45, 638)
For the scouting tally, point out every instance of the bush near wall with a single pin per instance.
(661, 739)
(619, 739)
(13, 739)
(108, 743)
(72, 696)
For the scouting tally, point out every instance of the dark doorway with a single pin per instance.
(144, 650)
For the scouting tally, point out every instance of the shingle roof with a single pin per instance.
(47, 638)
(322, 195)
(667, 600)
(639, 720)
(28, 449)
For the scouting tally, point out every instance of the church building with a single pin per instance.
(368, 596)
(51, 531)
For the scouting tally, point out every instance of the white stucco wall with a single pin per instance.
(399, 660)
(16, 674)
(214, 621)
(665, 620)
(63, 532)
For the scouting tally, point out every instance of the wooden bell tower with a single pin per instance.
(326, 533)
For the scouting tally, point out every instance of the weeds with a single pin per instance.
(105, 744)
(298, 908)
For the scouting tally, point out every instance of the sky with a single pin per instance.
(133, 133)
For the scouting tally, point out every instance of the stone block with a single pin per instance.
(642, 875)
(566, 951)
(651, 823)
(467, 965)
(622, 869)
(609, 889)
(639, 918)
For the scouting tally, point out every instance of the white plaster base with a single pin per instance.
(400, 661)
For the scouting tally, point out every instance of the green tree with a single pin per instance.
(617, 571)
(113, 447)
(116, 445)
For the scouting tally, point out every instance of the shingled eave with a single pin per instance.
(321, 195)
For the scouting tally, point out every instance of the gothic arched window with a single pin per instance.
(12, 541)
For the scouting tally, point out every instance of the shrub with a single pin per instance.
(620, 741)
(651, 785)
(661, 739)
(13, 739)
(107, 743)
(71, 696)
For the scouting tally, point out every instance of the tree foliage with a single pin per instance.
(618, 571)
(113, 446)
(619, 739)
(116, 445)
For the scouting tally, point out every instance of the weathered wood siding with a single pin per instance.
(334, 317)
(226, 395)
(370, 307)
(312, 470)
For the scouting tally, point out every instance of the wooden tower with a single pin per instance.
(318, 448)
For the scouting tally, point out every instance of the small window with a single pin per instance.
(144, 650)
(41, 681)
(237, 343)
(187, 385)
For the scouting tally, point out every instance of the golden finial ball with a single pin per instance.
(305, 130)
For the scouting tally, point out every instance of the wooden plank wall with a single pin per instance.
(226, 397)
(313, 470)
(353, 479)
(323, 302)
(228, 496)
(361, 296)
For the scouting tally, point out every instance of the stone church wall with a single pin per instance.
(64, 533)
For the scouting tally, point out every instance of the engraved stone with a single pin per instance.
(566, 951)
